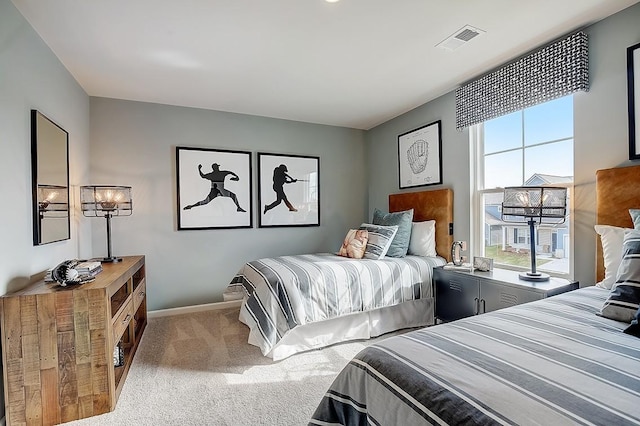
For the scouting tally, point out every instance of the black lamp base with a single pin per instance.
(530, 276)
(111, 260)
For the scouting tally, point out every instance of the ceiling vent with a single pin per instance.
(460, 37)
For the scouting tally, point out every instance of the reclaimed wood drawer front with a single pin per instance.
(138, 295)
(122, 321)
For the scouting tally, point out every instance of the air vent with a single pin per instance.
(460, 37)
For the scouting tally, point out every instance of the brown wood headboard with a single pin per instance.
(617, 191)
(430, 205)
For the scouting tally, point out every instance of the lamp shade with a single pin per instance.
(546, 204)
(106, 200)
(53, 198)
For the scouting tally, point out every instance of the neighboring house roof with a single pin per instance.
(542, 179)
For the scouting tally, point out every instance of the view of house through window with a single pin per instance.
(532, 147)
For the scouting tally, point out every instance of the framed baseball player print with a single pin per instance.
(214, 188)
(288, 190)
(420, 156)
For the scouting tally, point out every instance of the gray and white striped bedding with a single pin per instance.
(550, 362)
(288, 291)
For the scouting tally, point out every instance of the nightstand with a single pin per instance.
(460, 293)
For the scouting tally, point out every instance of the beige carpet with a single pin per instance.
(198, 369)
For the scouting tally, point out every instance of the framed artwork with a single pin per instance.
(420, 156)
(214, 188)
(633, 88)
(288, 190)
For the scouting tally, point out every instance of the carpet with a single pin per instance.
(198, 369)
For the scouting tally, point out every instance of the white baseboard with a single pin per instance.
(196, 308)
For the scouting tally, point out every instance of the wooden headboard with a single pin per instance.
(617, 191)
(430, 205)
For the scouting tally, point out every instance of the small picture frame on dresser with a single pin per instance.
(482, 263)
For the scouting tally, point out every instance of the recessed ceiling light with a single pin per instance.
(332, 1)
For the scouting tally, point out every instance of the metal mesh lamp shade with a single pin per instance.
(52, 198)
(534, 204)
(106, 201)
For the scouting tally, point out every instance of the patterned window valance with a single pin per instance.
(551, 72)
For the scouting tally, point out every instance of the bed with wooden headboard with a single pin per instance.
(301, 302)
(617, 191)
(561, 360)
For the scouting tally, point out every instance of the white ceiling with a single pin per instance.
(355, 63)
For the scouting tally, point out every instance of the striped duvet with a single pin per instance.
(288, 291)
(551, 362)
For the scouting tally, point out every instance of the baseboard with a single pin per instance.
(196, 308)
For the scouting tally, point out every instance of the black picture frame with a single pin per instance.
(633, 90)
(420, 156)
(298, 203)
(218, 195)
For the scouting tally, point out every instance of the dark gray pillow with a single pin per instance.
(402, 220)
(634, 328)
(624, 299)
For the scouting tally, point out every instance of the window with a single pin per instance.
(532, 147)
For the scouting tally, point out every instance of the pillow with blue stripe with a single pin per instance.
(624, 299)
(400, 243)
(380, 238)
(635, 217)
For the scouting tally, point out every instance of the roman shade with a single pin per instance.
(554, 71)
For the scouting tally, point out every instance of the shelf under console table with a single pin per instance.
(67, 350)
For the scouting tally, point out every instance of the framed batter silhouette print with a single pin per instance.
(288, 190)
(214, 188)
(420, 156)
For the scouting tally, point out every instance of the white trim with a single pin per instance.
(195, 308)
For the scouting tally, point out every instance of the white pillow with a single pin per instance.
(423, 239)
(380, 238)
(611, 238)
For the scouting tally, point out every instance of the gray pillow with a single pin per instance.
(624, 299)
(402, 220)
(635, 216)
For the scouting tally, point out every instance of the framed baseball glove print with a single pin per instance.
(420, 156)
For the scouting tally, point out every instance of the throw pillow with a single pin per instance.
(624, 298)
(635, 217)
(380, 238)
(402, 220)
(634, 328)
(423, 239)
(354, 244)
(611, 238)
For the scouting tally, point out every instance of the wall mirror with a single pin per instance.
(50, 180)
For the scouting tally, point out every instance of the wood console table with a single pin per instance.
(58, 344)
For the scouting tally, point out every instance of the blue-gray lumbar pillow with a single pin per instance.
(624, 298)
(402, 220)
(635, 216)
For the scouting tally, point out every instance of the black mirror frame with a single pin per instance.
(34, 179)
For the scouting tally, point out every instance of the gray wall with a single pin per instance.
(133, 143)
(382, 145)
(601, 126)
(31, 77)
(601, 138)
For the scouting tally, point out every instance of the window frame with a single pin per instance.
(478, 192)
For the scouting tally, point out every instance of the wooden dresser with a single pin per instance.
(58, 344)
